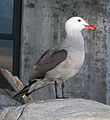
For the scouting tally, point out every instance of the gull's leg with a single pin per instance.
(63, 89)
(56, 84)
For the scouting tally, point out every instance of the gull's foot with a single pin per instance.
(62, 97)
(65, 97)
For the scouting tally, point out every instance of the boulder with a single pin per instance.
(61, 109)
(6, 99)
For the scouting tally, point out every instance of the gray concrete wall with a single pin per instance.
(43, 27)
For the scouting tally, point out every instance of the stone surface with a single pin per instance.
(43, 27)
(6, 99)
(66, 109)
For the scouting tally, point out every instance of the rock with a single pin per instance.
(66, 109)
(6, 98)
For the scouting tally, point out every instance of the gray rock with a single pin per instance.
(6, 98)
(66, 109)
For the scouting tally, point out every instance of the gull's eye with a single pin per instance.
(79, 20)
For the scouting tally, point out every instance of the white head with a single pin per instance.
(76, 24)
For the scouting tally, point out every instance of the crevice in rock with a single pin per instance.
(21, 113)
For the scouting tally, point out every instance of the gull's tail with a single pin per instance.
(25, 90)
(33, 86)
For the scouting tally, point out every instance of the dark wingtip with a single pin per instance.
(18, 95)
(24, 91)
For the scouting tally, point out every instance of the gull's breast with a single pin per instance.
(69, 67)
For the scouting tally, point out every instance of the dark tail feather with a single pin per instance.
(24, 90)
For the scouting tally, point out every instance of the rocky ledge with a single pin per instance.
(66, 109)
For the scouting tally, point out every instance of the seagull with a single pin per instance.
(61, 62)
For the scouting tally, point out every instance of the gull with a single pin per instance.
(61, 62)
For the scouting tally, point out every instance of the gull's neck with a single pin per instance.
(75, 40)
(75, 34)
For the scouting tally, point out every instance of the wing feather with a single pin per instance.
(49, 60)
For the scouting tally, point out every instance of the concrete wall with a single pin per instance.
(43, 27)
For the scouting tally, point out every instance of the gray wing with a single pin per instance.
(49, 60)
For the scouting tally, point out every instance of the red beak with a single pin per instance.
(90, 27)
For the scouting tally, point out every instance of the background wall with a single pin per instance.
(43, 27)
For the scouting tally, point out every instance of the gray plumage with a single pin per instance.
(61, 62)
(49, 60)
